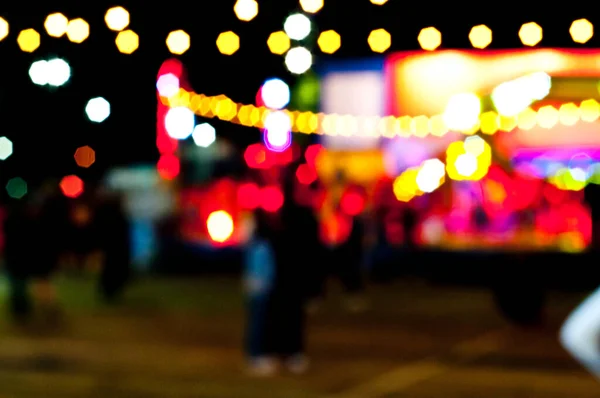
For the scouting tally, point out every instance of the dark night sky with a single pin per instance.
(46, 127)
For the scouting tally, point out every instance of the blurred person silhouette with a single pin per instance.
(113, 232)
(259, 279)
(290, 291)
(53, 225)
(19, 257)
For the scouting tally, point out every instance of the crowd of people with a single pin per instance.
(45, 229)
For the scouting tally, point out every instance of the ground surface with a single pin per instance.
(181, 338)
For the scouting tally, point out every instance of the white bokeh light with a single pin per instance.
(167, 85)
(38, 72)
(430, 175)
(466, 164)
(278, 131)
(55, 72)
(297, 26)
(6, 148)
(180, 123)
(275, 94)
(97, 109)
(462, 112)
(204, 135)
(58, 72)
(298, 60)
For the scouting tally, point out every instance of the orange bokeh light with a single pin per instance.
(72, 186)
(85, 156)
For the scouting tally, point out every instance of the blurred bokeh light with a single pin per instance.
(297, 26)
(16, 188)
(246, 10)
(480, 36)
(220, 226)
(530, 34)
(178, 42)
(78, 30)
(4, 28)
(167, 85)
(28, 40)
(329, 41)
(204, 135)
(430, 38)
(180, 122)
(228, 43)
(298, 60)
(85, 156)
(56, 24)
(127, 41)
(279, 42)
(380, 40)
(72, 186)
(6, 148)
(581, 31)
(97, 109)
(311, 6)
(275, 94)
(117, 18)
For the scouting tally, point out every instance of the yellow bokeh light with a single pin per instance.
(279, 42)
(246, 10)
(490, 123)
(329, 41)
(581, 31)
(430, 38)
(311, 6)
(28, 40)
(590, 110)
(530, 34)
(379, 2)
(78, 30)
(127, 41)
(547, 116)
(178, 42)
(380, 40)
(56, 24)
(220, 226)
(4, 28)
(480, 36)
(228, 43)
(568, 114)
(527, 119)
(117, 18)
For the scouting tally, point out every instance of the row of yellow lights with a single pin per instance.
(178, 42)
(490, 122)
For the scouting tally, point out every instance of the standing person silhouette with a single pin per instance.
(259, 278)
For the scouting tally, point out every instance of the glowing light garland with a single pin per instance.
(223, 108)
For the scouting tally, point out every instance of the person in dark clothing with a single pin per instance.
(113, 232)
(18, 225)
(259, 277)
(289, 293)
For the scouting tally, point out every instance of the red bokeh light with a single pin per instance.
(305, 174)
(248, 196)
(352, 203)
(271, 199)
(71, 186)
(168, 167)
(257, 157)
(311, 154)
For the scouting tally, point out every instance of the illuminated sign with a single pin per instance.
(422, 83)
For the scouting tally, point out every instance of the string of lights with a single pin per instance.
(490, 122)
(297, 27)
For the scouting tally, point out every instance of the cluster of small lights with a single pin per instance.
(416, 181)
(297, 27)
(489, 122)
